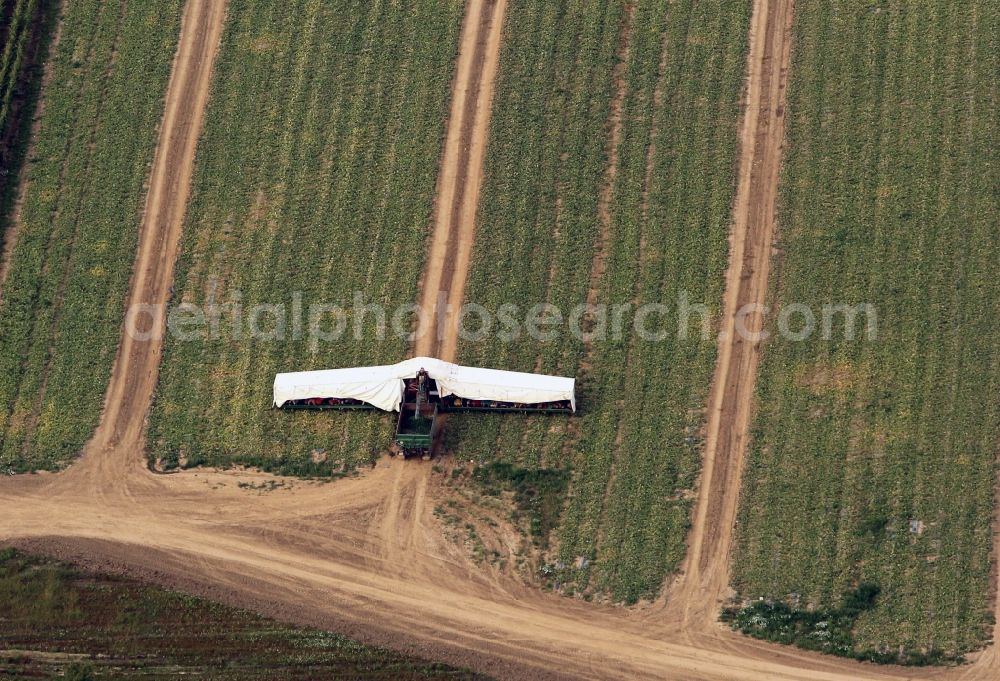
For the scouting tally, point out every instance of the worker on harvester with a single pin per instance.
(423, 383)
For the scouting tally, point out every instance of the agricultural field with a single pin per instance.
(75, 624)
(666, 120)
(62, 303)
(311, 185)
(874, 461)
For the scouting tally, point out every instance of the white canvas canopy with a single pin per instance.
(382, 386)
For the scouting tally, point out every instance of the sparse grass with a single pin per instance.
(539, 494)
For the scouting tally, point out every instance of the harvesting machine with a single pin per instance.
(421, 390)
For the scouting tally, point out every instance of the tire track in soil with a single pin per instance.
(398, 526)
(460, 180)
(697, 595)
(136, 370)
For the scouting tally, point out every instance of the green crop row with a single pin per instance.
(634, 450)
(17, 35)
(15, 32)
(315, 180)
(63, 300)
(874, 459)
(25, 30)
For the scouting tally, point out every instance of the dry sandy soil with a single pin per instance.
(705, 577)
(460, 178)
(365, 556)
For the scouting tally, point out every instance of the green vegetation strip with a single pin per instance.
(538, 493)
(63, 301)
(875, 460)
(825, 630)
(25, 33)
(70, 624)
(315, 179)
(18, 26)
(635, 450)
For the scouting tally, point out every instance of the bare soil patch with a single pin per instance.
(697, 595)
(460, 179)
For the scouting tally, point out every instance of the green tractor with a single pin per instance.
(417, 428)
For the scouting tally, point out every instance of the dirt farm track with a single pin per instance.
(365, 556)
